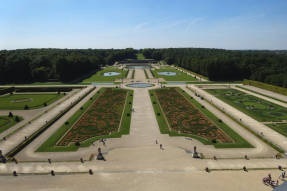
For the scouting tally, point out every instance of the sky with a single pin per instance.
(227, 24)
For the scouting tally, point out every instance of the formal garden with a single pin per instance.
(20, 101)
(178, 114)
(255, 107)
(8, 121)
(106, 114)
(171, 74)
(108, 74)
(279, 127)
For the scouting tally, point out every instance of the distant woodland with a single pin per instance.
(69, 65)
(66, 65)
(227, 65)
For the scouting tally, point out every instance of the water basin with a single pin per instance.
(111, 73)
(167, 73)
(139, 85)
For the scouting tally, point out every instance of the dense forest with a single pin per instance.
(66, 65)
(227, 65)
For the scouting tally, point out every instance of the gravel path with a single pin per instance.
(266, 92)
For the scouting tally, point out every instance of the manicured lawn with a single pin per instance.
(180, 115)
(180, 76)
(106, 115)
(140, 56)
(7, 122)
(259, 93)
(33, 101)
(99, 76)
(257, 108)
(279, 127)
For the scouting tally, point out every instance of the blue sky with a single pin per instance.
(228, 24)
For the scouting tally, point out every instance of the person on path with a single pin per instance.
(282, 175)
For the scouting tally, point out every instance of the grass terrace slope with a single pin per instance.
(106, 115)
(179, 114)
(257, 108)
(265, 86)
(32, 101)
(99, 76)
(180, 76)
(7, 122)
(140, 56)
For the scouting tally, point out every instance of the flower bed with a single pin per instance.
(101, 118)
(183, 117)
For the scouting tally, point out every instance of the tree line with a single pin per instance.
(227, 65)
(66, 65)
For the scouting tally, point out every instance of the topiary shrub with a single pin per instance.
(26, 107)
(17, 119)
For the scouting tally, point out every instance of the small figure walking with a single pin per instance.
(160, 146)
(103, 141)
(282, 175)
(156, 141)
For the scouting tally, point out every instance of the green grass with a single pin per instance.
(199, 75)
(238, 141)
(255, 107)
(7, 122)
(180, 76)
(140, 56)
(99, 76)
(265, 86)
(242, 87)
(33, 101)
(50, 144)
(279, 127)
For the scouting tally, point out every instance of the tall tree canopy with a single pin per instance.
(227, 65)
(41, 65)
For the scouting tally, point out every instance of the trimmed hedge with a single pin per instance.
(43, 89)
(7, 90)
